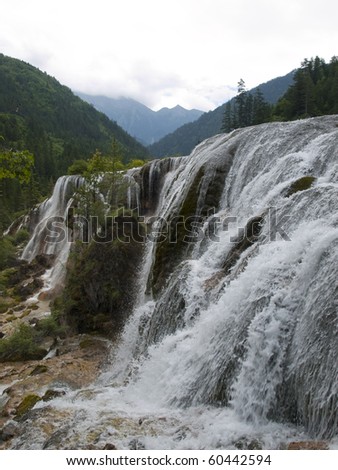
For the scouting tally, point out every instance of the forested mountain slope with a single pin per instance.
(185, 138)
(39, 114)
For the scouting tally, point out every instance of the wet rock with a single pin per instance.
(245, 443)
(181, 433)
(136, 444)
(56, 440)
(301, 184)
(44, 260)
(39, 369)
(3, 400)
(10, 430)
(27, 289)
(308, 445)
(109, 446)
(73, 368)
(51, 394)
(26, 405)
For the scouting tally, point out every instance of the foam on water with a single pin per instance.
(250, 354)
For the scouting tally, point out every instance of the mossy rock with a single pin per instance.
(101, 278)
(301, 184)
(10, 319)
(39, 369)
(25, 313)
(88, 343)
(171, 251)
(26, 404)
(34, 306)
(18, 308)
(7, 304)
(51, 394)
(24, 291)
(250, 236)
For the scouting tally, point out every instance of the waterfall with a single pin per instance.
(235, 332)
(51, 234)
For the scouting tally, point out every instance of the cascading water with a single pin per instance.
(236, 340)
(51, 235)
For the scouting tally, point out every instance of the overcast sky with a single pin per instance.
(167, 52)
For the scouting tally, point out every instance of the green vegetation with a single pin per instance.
(311, 90)
(21, 345)
(25, 343)
(49, 326)
(100, 281)
(16, 165)
(40, 117)
(103, 175)
(97, 294)
(7, 253)
(314, 92)
(8, 247)
(185, 138)
(246, 109)
(78, 167)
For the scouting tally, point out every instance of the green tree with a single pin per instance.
(241, 99)
(136, 162)
(261, 109)
(16, 164)
(313, 93)
(15, 172)
(227, 123)
(78, 167)
(103, 190)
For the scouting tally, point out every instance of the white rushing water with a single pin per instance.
(51, 235)
(238, 344)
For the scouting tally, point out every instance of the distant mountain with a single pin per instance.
(40, 114)
(138, 120)
(185, 138)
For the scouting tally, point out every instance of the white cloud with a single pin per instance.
(190, 52)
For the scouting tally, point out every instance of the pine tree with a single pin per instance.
(261, 109)
(227, 123)
(241, 99)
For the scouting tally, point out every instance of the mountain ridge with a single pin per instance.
(48, 109)
(141, 122)
(39, 114)
(185, 138)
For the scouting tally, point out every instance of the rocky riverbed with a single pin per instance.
(76, 363)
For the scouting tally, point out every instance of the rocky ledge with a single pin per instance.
(76, 363)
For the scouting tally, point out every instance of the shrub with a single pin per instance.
(78, 167)
(21, 236)
(7, 252)
(21, 345)
(49, 326)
